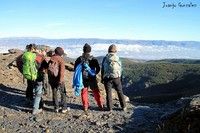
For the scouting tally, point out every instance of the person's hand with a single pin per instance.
(60, 84)
(86, 66)
(45, 94)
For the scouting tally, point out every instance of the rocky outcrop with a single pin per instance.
(69, 66)
(15, 51)
(185, 119)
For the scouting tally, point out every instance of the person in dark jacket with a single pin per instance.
(90, 81)
(57, 83)
(111, 77)
(38, 88)
(46, 85)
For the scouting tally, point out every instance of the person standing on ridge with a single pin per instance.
(89, 81)
(56, 73)
(29, 70)
(111, 77)
(33, 72)
(39, 84)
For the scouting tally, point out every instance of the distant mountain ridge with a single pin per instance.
(76, 41)
(133, 49)
(176, 61)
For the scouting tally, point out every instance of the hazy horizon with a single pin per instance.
(144, 50)
(31, 37)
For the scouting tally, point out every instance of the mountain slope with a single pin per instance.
(161, 80)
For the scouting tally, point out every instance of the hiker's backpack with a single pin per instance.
(112, 66)
(53, 68)
(78, 80)
(29, 69)
(85, 65)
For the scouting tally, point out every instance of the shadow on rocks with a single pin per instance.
(12, 98)
(75, 106)
(49, 105)
(144, 119)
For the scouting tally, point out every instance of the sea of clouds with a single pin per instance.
(138, 51)
(135, 51)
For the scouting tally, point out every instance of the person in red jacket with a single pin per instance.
(90, 81)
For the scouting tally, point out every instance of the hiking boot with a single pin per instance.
(36, 111)
(101, 108)
(124, 109)
(56, 110)
(110, 110)
(65, 110)
(86, 111)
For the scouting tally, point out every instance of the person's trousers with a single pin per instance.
(46, 85)
(97, 97)
(62, 90)
(116, 84)
(38, 91)
(29, 89)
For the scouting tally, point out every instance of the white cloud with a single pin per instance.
(138, 51)
(135, 51)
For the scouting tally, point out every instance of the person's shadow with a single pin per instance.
(13, 98)
(50, 107)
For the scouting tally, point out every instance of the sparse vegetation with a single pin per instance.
(158, 78)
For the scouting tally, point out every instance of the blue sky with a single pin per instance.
(113, 19)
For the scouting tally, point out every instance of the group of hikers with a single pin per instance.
(41, 68)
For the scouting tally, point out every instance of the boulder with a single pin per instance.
(13, 51)
(183, 119)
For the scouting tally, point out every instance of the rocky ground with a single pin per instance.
(15, 114)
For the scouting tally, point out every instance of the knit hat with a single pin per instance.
(112, 49)
(86, 48)
(31, 46)
(59, 51)
(50, 53)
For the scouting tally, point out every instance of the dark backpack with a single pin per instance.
(85, 61)
(53, 68)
